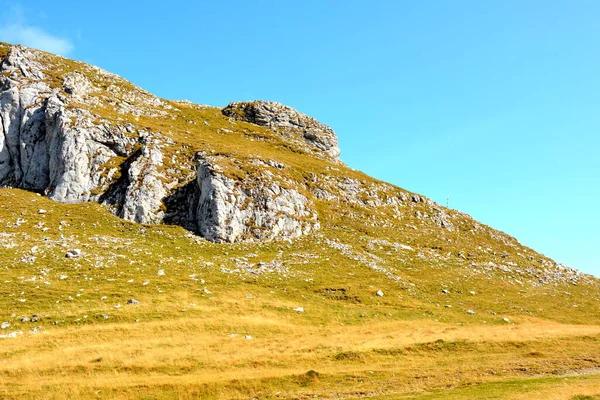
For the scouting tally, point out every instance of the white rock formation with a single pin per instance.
(230, 211)
(51, 142)
(286, 121)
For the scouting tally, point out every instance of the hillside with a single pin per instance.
(171, 250)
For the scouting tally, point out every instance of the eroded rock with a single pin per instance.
(285, 120)
(230, 210)
(50, 143)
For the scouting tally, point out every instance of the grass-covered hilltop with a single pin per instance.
(161, 249)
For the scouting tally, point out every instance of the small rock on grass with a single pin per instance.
(132, 301)
(379, 293)
(73, 253)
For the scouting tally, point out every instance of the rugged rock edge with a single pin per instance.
(53, 145)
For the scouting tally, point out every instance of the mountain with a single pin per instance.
(218, 222)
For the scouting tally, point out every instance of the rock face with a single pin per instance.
(51, 144)
(286, 121)
(229, 210)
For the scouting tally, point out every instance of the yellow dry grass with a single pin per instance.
(188, 357)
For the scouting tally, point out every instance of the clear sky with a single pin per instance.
(491, 107)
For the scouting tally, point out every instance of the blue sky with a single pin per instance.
(491, 107)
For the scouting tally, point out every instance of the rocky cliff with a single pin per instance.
(57, 139)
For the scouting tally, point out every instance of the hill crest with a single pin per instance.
(252, 171)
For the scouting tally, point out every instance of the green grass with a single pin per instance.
(509, 389)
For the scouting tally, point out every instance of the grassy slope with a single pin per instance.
(177, 342)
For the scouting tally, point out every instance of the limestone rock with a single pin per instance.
(230, 211)
(51, 142)
(143, 201)
(286, 120)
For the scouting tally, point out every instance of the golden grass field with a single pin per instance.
(194, 357)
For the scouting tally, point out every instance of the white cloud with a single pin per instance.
(31, 36)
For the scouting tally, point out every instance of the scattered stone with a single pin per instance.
(470, 312)
(248, 337)
(41, 211)
(75, 253)
(299, 309)
(249, 296)
(25, 319)
(506, 320)
(472, 293)
(132, 301)
(11, 335)
(161, 272)
(5, 325)
(379, 293)
(445, 291)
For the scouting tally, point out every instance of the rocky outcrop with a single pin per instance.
(286, 121)
(257, 209)
(52, 142)
(46, 145)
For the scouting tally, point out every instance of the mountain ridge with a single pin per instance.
(129, 171)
